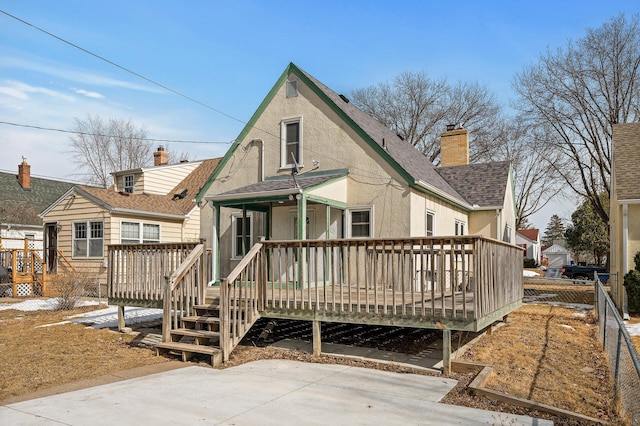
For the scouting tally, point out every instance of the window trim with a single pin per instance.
(128, 188)
(234, 234)
(87, 239)
(356, 209)
(286, 163)
(459, 224)
(433, 223)
(141, 239)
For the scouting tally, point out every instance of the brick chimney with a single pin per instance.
(454, 146)
(24, 174)
(160, 157)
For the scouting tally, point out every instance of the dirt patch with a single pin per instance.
(545, 353)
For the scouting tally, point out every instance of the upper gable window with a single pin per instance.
(291, 142)
(128, 184)
(292, 88)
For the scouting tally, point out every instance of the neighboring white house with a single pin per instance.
(529, 240)
(557, 256)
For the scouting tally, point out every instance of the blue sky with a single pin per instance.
(227, 55)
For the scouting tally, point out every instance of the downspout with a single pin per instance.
(215, 244)
(498, 225)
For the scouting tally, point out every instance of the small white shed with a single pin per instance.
(557, 256)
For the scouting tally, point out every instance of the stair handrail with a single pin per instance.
(172, 285)
(226, 340)
(63, 257)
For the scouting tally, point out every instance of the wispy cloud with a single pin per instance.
(73, 74)
(88, 94)
(22, 91)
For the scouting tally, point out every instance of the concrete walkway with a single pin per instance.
(268, 392)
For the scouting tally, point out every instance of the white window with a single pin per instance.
(242, 235)
(292, 88)
(88, 239)
(430, 224)
(361, 222)
(460, 227)
(128, 184)
(291, 142)
(507, 234)
(136, 233)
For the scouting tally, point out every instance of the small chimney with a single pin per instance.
(160, 157)
(454, 146)
(24, 175)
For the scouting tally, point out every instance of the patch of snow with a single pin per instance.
(530, 274)
(567, 326)
(633, 329)
(108, 317)
(40, 304)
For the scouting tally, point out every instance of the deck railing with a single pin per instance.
(443, 279)
(136, 272)
(183, 290)
(241, 299)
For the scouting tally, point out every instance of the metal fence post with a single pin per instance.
(616, 374)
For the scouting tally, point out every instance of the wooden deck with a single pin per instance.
(449, 283)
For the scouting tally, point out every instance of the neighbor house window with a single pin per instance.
(242, 234)
(361, 221)
(291, 142)
(459, 227)
(507, 234)
(136, 233)
(128, 184)
(430, 223)
(88, 239)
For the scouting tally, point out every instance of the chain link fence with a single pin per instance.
(623, 358)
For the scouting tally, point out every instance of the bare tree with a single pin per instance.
(535, 181)
(418, 108)
(580, 91)
(101, 148)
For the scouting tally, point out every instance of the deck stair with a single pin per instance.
(199, 334)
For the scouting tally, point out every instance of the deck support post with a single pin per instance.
(446, 352)
(121, 324)
(317, 338)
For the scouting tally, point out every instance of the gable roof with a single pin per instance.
(445, 183)
(482, 185)
(42, 193)
(531, 234)
(170, 205)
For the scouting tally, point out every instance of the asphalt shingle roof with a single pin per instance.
(42, 193)
(152, 203)
(481, 184)
(284, 183)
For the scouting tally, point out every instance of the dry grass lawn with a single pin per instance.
(34, 358)
(635, 319)
(547, 354)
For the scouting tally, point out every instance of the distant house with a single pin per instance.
(155, 204)
(311, 165)
(556, 256)
(624, 216)
(22, 197)
(529, 240)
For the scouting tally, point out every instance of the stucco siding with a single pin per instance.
(445, 215)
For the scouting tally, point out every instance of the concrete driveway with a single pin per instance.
(268, 392)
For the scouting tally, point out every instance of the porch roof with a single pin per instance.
(280, 187)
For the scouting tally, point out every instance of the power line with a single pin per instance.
(108, 136)
(123, 68)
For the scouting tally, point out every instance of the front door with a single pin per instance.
(51, 247)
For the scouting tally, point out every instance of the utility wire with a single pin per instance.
(108, 136)
(123, 68)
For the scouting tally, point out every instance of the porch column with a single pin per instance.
(215, 244)
(302, 235)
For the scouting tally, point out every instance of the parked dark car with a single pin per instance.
(578, 272)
